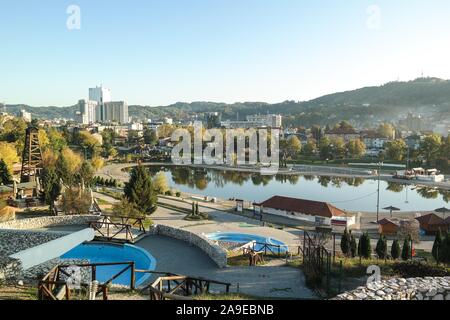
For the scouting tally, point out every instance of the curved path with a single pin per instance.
(263, 281)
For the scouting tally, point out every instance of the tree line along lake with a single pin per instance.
(351, 194)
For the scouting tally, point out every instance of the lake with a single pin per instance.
(351, 194)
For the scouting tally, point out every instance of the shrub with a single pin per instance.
(345, 243)
(381, 248)
(406, 251)
(353, 246)
(437, 247)
(395, 250)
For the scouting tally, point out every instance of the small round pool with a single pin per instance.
(243, 238)
(101, 253)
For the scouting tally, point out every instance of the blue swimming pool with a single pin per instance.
(101, 253)
(243, 238)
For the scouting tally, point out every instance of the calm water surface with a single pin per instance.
(354, 194)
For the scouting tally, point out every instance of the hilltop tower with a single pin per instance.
(32, 156)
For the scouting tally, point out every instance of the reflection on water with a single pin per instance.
(355, 194)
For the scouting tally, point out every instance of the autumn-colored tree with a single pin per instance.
(97, 163)
(8, 154)
(160, 184)
(356, 148)
(396, 149)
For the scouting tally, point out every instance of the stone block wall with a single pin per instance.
(44, 222)
(215, 252)
(428, 288)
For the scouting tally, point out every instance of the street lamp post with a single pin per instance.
(378, 191)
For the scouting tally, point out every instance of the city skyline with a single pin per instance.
(161, 52)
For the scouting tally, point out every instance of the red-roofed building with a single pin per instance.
(431, 223)
(319, 213)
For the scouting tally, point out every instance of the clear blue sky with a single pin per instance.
(157, 52)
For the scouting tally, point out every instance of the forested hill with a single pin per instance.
(429, 96)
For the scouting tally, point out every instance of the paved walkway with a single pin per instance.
(264, 281)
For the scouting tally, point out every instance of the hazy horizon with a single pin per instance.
(208, 101)
(157, 52)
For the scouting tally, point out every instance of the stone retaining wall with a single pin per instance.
(427, 288)
(44, 222)
(214, 251)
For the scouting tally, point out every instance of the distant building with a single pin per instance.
(431, 224)
(168, 121)
(87, 112)
(25, 116)
(345, 134)
(388, 227)
(373, 140)
(100, 95)
(115, 112)
(269, 120)
(255, 121)
(314, 212)
(108, 111)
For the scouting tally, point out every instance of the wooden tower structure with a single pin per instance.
(32, 156)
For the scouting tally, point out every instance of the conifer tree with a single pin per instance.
(139, 190)
(395, 250)
(345, 243)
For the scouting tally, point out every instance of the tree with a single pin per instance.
(294, 146)
(86, 173)
(316, 132)
(353, 246)
(345, 243)
(57, 142)
(76, 201)
(338, 147)
(90, 142)
(437, 246)
(364, 246)
(381, 248)
(139, 190)
(44, 141)
(8, 154)
(5, 176)
(386, 130)
(150, 137)
(395, 250)
(445, 248)
(125, 208)
(160, 184)
(51, 185)
(406, 251)
(396, 149)
(68, 165)
(325, 148)
(430, 147)
(49, 158)
(97, 163)
(310, 148)
(356, 148)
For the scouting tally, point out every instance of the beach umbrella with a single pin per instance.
(391, 208)
(443, 210)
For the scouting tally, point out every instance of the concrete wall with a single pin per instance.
(214, 251)
(44, 222)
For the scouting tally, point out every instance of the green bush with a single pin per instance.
(406, 251)
(395, 250)
(381, 248)
(345, 243)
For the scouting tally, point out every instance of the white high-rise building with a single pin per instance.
(87, 111)
(25, 116)
(100, 95)
(115, 111)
